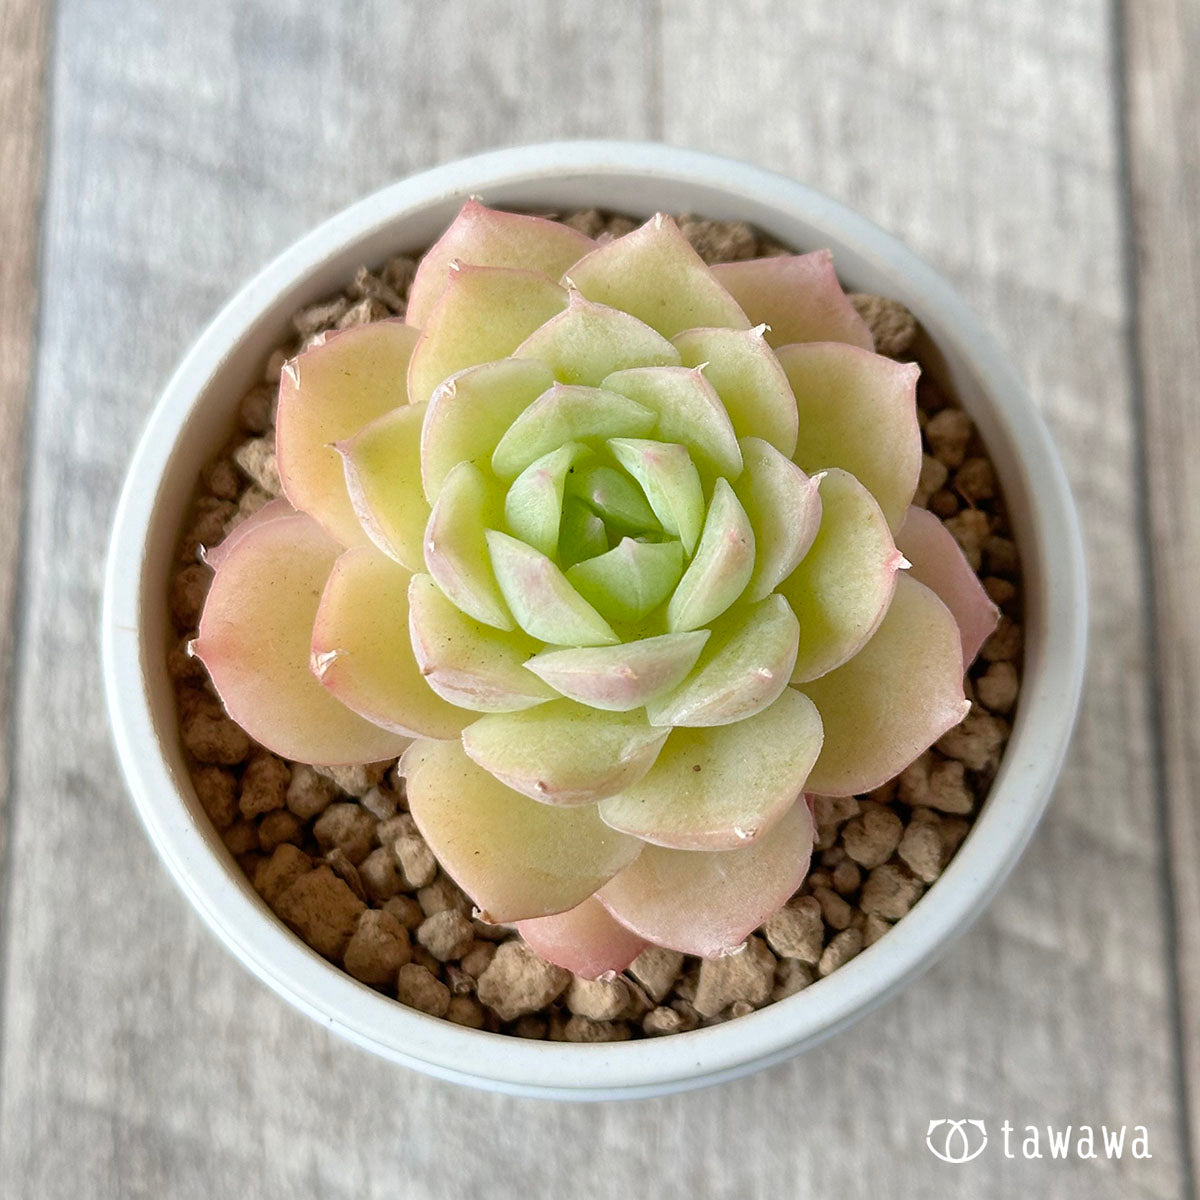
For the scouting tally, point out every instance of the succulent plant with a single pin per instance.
(611, 546)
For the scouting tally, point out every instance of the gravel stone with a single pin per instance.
(659, 1021)
(597, 999)
(948, 434)
(933, 782)
(378, 948)
(874, 927)
(345, 870)
(347, 827)
(446, 934)
(834, 909)
(890, 891)
(920, 848)
(442, 894)
(529, 1027)
(416, 861)
(791, 976)
(466, 1010)
(321, 316)
(1001, 556)
(240, 838)
(279, 827)
(381, 803)
(256, 413)
(872, 838)
(976, 744)
(379, 875)
(892, 326)
(264, 785)
(933, 478)
(840, 951)
(276, 874)
(656, 970)
(975, 480)
(322, 909)
(1004, 644)
(256, 459)
(719, 241)
(221, 478)
(364, 313)
(211, 737)
(216, 789)
(748, 975)
(970, 528)
(997, 687)
(417, 987)
(580, 1029)
(477, 959)
(390, 828)
(847, 878)
(834, 810)
(356, 779)
(398, 274)
(406, 910)
(797, 930)
(518, 982)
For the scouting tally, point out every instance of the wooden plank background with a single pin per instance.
(1043, 156)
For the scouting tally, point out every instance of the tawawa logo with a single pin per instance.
(956, 1141)
(960, 1141)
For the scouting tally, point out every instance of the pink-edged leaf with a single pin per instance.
(937, 561)
(564, 413)
(514, 857)
(466, 662)
(590, 341)
(214, 556)
(718, 789)
(469, 413)
(655, 274)
(858, 411)
(784, 507)
(720, 568)
(798, 296)
(743, 668)
(483, 315)
(893, 699)
(843, 585)
(689, 412)
(383, 477)
(255, 639)
(483, 237)
(456, 552)
(563, 752)
(747, 376)
(541, 600)
(624, 677)
(362, 652)
(584, 939)
(327, 394)
(708, 902)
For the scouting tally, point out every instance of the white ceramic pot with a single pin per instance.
(194, 418)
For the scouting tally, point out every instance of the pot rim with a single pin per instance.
(1053, 561)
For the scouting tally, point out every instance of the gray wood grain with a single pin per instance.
(191, 142)
(22, 58)
(1163, 90)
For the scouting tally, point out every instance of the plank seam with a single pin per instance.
(1149, 584)
(18, 652)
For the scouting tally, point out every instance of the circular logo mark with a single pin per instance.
(956, 1141)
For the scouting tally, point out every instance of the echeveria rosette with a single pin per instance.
(605, 542)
